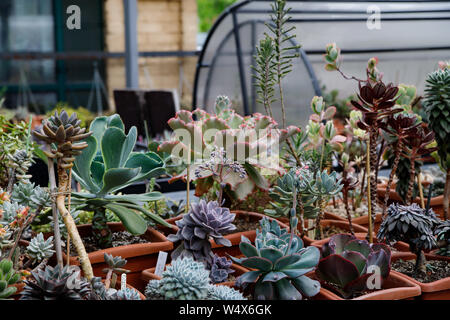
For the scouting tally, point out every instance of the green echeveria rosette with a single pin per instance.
(279, 264)
(347, 263)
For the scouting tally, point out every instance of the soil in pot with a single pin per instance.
(436, 270)
(119, 238)
(244, 224)
(331, 230)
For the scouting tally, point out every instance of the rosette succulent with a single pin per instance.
(127, 294)
(410, 224)
(280, 263)
(29, 195)
(220, 269)
(40, 249)
(54, 284)
(347, 263)
(108, 165)
(184, 279)
(201, 132)
(216, 292)
(205, 221)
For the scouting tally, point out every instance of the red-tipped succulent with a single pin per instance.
(347, 263)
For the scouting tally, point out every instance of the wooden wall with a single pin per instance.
(163, 25)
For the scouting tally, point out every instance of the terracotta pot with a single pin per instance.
(436, 290)
(130, 287)
(436, 203)
(235, 238)
(139, 256)
(327, 216)
(402, 247)
(340, 224)
(364, 222)
(395, 287)
(19, 287)
(149, 274)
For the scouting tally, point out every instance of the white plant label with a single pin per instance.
(123, 281)
(161, 263)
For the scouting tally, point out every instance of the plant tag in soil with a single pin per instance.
(123, 281)
(161, 263)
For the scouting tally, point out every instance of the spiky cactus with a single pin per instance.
(40, 249)
(184, 279)
(55, 284)
(437, 107)
(223, 293)
(205, 220)
(63, 135)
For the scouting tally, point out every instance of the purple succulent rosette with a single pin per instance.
(205, 220)
(347, 263)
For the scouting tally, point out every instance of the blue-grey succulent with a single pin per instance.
(29, 195)
(127, 294)
(205, 221)
(184, 279)
(40, 249)
(8, 211)
(216, 292)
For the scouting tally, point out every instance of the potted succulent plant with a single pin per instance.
(103, 165)
(437, 106)
(279, 263)
(414, 226)
(201, 235)
(187, 279)
(354, 269)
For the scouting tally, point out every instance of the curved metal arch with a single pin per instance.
(300, 51)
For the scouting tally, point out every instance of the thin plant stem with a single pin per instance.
(419, 184)
(56, 231)
(369, 202)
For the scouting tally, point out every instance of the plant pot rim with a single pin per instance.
(149, 274)
(435, 286)
(435, 201)
(325, 222)
(129, 286)
(235, 238)
(409, 290)
(125, 251)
